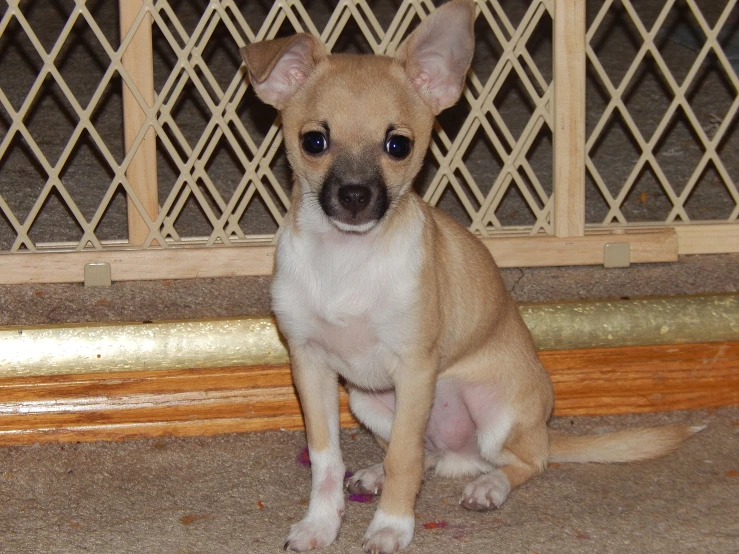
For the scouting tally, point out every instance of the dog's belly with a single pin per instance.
(451, 427)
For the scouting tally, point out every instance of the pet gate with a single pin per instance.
(130, 136)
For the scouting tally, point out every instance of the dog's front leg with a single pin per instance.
(393, 524)
(318, 390)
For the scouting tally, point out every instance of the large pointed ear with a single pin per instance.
(437, 55)
(278, 67)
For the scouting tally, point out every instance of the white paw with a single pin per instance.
(487, 492)
(388, 533)
(367, 481)
(313, 533)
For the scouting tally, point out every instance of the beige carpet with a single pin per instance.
(239, 494)
(240, 296)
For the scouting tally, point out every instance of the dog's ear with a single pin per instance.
(278, 67)
(437, 55)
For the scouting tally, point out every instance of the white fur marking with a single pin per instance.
(368, 480)
(455, 465)
(373, 415)
(486, 491)
(388, 533)
(352, 296)
(349, 228)
(321, 524)
(493, 437)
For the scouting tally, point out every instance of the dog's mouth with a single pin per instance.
(354, 207)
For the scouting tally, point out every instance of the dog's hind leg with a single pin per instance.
(522, 456)
(375, 411)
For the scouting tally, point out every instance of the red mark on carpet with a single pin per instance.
(189, 519)
(732, 473)
(436, 525)
(304, 457)
(260, 505)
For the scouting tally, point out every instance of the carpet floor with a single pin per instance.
(240, 493)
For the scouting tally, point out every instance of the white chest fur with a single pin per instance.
(354, 298)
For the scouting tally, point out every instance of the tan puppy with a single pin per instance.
(373, 285)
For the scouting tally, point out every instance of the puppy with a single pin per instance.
(373, 285)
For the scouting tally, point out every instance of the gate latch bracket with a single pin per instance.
(617, 254)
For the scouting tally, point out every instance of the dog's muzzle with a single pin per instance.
(353, 205)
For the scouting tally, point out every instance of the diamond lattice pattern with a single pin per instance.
(222, 176)
(662, 137)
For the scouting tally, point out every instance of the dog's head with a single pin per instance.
(357, 127)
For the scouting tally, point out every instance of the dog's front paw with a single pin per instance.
(388, 533)
(367, 481)
(312, 533)
(487, 492)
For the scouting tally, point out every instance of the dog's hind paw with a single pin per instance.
(367, 481)
(312, 533)
(487, 492)
(388, 533)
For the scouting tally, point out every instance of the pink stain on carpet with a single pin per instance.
(361, 498)
(304, 457)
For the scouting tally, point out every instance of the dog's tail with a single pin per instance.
(632, 445)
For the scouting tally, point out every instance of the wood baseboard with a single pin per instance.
(118, 406)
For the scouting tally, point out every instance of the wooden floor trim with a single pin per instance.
(118, 406)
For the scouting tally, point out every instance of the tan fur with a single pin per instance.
(448, 322)
(633, 445)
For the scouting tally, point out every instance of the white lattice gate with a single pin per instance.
(130, 136)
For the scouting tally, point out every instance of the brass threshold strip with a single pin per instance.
(251, 341)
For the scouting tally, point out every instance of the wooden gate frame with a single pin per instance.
(570, 242)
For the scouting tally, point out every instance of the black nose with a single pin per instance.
(355, 198)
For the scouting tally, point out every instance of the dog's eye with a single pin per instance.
(398, 146)
(314, 142)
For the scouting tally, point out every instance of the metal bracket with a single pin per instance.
(617, 254)
(97, 274)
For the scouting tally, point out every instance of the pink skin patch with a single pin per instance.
(361, 498)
